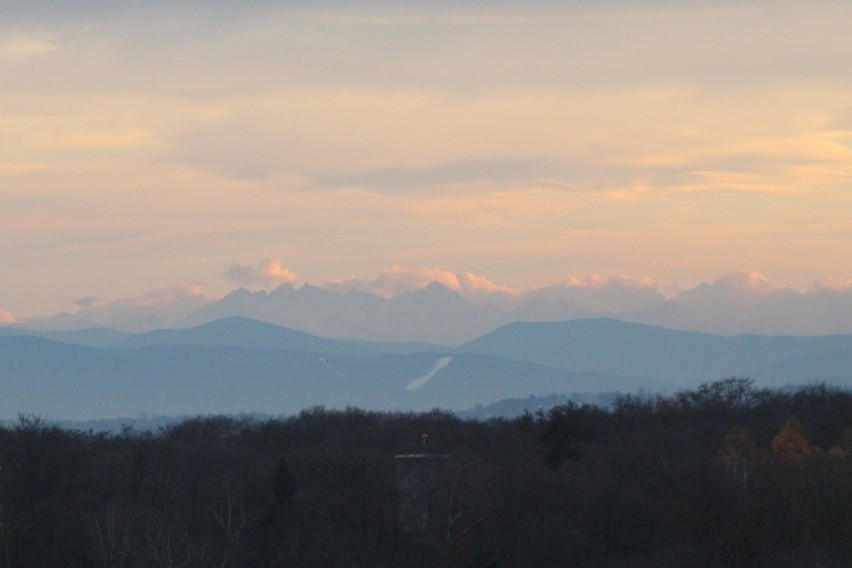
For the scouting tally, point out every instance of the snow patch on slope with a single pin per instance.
(419, 382)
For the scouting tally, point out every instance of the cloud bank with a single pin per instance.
(395, 280)
(606, 294)
(153, 309)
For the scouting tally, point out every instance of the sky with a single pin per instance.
(181, 147)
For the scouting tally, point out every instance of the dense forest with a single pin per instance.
(723, 475)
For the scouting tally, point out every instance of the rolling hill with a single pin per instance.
(236, 364)
(619, 348)
(66, 381)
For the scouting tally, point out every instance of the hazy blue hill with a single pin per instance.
(44, 376)
(239, 365)
(66, 381)
(91, 337)
(69, 381)
(247, 333)
(471, 379)
(833, 367)
(26, 352)
(234, 331)
(619, 348)
(396, 347)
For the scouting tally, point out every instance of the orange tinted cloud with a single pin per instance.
(6, 316)
(397, 279)
(270, 273)
(831, 283)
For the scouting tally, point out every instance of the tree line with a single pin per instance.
(723, 475)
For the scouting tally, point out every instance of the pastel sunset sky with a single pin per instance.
(149, 145)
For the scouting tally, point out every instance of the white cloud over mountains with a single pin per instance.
(397, 279)
(270, 273)
(830, 283)
(608, 294)
(181, 293)
(744, 288)
(153, 309)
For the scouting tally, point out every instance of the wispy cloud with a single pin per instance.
(16, 168)
(128, 242)
(22, 45)
(486, 173)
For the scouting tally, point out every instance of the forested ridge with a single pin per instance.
(723, 475)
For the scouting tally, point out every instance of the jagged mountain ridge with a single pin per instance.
(433, 314)
(735, 304)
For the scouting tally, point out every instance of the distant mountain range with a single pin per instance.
(433, 314)
(236, 364)
(742, 302)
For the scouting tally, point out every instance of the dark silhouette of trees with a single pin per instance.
(723, 475)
